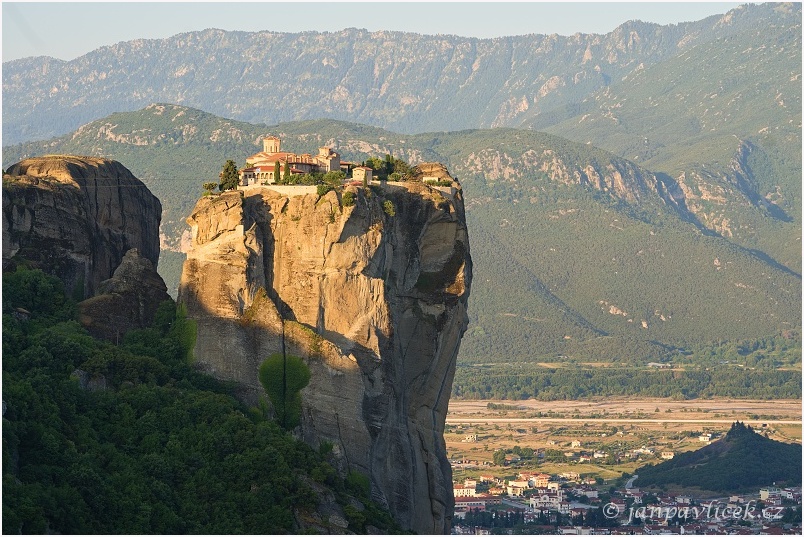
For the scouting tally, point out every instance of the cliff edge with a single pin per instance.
(370, 289)
(76, 217)
(92, 224)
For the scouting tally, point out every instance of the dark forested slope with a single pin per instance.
(743, 460)
(105, 439)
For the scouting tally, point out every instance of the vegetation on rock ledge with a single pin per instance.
(283, 377)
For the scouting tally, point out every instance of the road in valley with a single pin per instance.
(491, 421)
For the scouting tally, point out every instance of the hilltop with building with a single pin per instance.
(272, 166)
(743, 459)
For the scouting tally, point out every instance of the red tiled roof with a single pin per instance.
(264, 155)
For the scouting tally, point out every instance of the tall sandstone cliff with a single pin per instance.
(372, 296)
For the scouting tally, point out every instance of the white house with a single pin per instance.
(517, 488)
(363, 173)
(547, 501)
(765, 493)
(462, 491)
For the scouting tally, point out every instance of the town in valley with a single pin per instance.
(568, 467)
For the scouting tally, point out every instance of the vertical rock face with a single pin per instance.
(76, 217)
(372, 296)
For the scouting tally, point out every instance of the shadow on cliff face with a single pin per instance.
(260, 214)
(425, 266)
(408, 228)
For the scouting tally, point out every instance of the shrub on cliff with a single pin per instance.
(283, 377)
(334, 178)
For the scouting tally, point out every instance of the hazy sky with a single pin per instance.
(67, 30)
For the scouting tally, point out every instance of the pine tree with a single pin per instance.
(229, 177)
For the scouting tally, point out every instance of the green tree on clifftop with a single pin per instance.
(229, 178)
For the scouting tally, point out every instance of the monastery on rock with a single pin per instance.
(261, 166)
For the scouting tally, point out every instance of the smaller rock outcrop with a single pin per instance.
(434, 170)
(126, 301)
(76, 217)
(92, 224)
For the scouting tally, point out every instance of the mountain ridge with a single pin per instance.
(593, 250)
(711, 107)
(382, 78)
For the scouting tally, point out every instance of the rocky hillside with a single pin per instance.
(724, 120)
(719, 468)
(577, 231)
(400, 81)
(371, 294)
(95, 226)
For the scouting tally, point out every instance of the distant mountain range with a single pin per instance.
(404, 82)
(578, 253)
